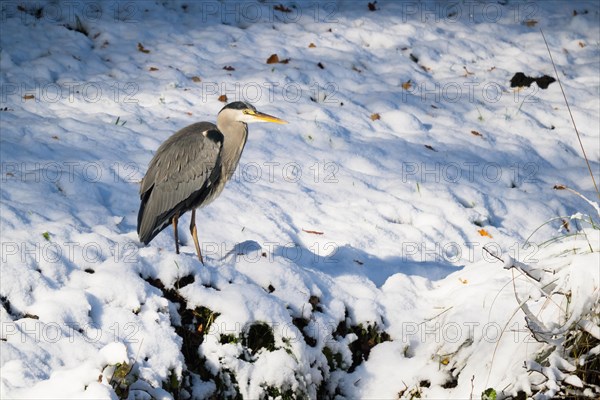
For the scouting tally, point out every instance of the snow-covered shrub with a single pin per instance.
(562, 311)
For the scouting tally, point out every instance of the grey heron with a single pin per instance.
(190, 169)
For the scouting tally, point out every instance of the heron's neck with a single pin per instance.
(233, 144)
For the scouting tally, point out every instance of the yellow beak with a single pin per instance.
(268, 118)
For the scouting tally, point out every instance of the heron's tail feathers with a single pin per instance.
(149, 223)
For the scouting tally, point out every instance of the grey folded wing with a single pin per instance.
(180, 177)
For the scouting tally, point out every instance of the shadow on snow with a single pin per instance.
(343, 260)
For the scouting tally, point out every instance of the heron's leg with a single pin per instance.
(195, 235)
(175, 218)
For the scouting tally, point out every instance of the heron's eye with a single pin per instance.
(248, 112)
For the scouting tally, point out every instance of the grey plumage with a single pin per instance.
(190, 169)
(186, 165)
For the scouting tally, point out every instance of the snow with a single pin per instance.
(436, 223)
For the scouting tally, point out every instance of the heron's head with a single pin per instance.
(243, 112)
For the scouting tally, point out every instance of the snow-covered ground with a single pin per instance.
(364, 250)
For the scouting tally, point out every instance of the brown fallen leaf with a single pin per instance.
(429, 147)
(407, 85)
(463, 281)
(581, 44)
(223, 98)
(312, 232)
(530, 22)
(28, 97)
(565, 225)
(320, 65)
(467, 72)
(372, 6)
(312, 46)
(559, 187)
(476, 133)
(152, 69)
(55, 137)
(142, 48)
(375, 117)
(359, 262)
(228, 68)
(282, 8)
(355, 68)
(484, 233)
(196, 79)
(274, 59)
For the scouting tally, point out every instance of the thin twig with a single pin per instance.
(493, 255)
(571, 115)
(495, 297)
(502, 331)
(472, 387)
(435, 316)
(591, 203)
(515, 264)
